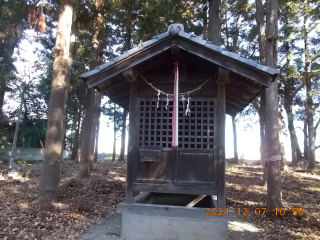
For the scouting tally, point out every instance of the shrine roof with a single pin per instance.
(248, 73)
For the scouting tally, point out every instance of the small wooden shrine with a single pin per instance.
(178, 89)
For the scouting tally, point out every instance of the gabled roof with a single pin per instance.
(246, 73)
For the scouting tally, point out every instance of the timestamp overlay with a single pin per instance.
(252, 212)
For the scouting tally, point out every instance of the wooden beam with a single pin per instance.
(153, 61)
(129, 62)
(130, 75)
(175, 51)
(245, 84)
(234, 103)
(245, 95)
(112, 86)
(123, 99)
(233, 108)
(183, 68)
(168, 78)
(211, 56)
(120, 93)
(180, 189)
(226, 62)
(196, 200)
(133, 141)
(223, 75)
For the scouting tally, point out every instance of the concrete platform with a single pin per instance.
(147, 221)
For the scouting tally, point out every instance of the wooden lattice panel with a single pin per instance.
(196, 131)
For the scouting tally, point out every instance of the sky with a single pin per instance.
(248, 137)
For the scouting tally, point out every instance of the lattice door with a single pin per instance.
(196, 131)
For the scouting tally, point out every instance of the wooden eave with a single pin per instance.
(247, 78)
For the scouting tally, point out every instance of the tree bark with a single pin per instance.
(86, 144)
(274, 199)
(262, 110)
(94, 133)
(114, 133)
(50, 174)
(261, 31)
(2, 94)
(123, 135)
(97, 141)
(78, 158)
(292, 133)
(309, 113)
(262, 121)
(305, 141)
(88, 126)
(236, 34)
(214, 33)
(282, 151)
(298, 150)
(76, 137)
(205, 22)
(235, 145)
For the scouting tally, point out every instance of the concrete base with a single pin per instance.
(137, 227)
(142, 221)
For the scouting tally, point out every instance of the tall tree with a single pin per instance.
(274, 199)
(309, 94)
(262, 55)
(11, 31)
(290, 77)
(50, 174)
(234, 49)
(88, 125)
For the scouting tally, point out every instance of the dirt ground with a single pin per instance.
(94, 200)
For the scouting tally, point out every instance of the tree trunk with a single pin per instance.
(272, 104)
(234, 127)
(86, 130)
(262, 110)
(78, 158)
(292, 133)
(25, 118)
(236, 34)
(123, 135)
(114, 133)
(282, 151)
(298, 150)
(95, 120)
(50, 174)
(76, 137)
(227, 29)
(261, 31)
(305, 141)
(97, 141)
(2, 93)
(87, 154)
(235, 145)
(214, 21)
(262, 121)
(309, 113)
(205, 22)
(88, 126)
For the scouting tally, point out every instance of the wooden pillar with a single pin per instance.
(133, 134)
(221, 111)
